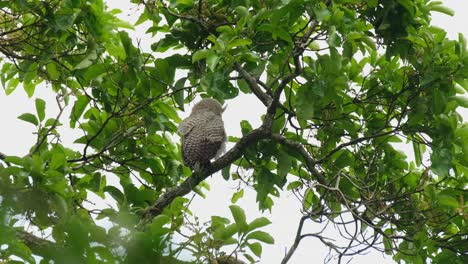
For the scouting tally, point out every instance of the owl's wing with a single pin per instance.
(215, 129)
(186, 126)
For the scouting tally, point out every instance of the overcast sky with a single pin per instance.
(16, 136)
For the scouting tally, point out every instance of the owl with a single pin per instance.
(202, 134)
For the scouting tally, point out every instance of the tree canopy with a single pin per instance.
(344, 86)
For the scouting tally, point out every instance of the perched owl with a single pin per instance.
(202, 133)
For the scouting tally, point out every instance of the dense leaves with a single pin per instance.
(344, 87)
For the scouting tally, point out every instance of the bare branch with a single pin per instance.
(296, 241)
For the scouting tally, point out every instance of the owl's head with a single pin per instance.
(208, 104)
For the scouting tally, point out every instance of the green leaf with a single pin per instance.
(249, 258)
(64, 21)
(50, 122)
(282, 34)
(164, 70)
(258, 222)
(417, 153)
(412, 179)
(179, 93)
(441, 159)
(30, 118)
(115, 193)
(334, 40)
(239, 217)
(354, 35)
(11, 86)
(284, 163)
(157, 226)
(238, 43)
(164, 44)
(245, 127)
(225, 172)
(261, 236)
(461, 100)
(201, 54)
(305, 102)
(463, 83)
(369, 42)
(293, 185)
(447, 201)
(256, 248)
(243, 14)
(225, 233)
(408, 5)
(78, 109)
(40, 108)
(212, 60)
(217, 221)
(88, 60)
(344, 158)
(388, 245)
(237, 195)
(184, 4)
(21, 250)
(243, 86)
(439, 7)
(52, 70)
(310, 199)
(279, 123)
(453, 229)
(462, 42)
(15, 160)
(58, 160)
(29, 88)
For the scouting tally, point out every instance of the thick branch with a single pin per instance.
(33, 242)
(197, 177)
(253, 85)
(39, 246)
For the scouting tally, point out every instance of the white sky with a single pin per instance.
(16, 136)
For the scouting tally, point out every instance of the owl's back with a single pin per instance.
(203, 137)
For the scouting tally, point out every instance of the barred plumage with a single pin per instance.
(202, 133)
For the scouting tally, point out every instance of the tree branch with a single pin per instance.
(32, 241)
(198, 176)
(253, 85)
(309, 161)
(297, 240)
(353, 142)
(296, 53)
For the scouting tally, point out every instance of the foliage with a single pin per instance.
(345, 85)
